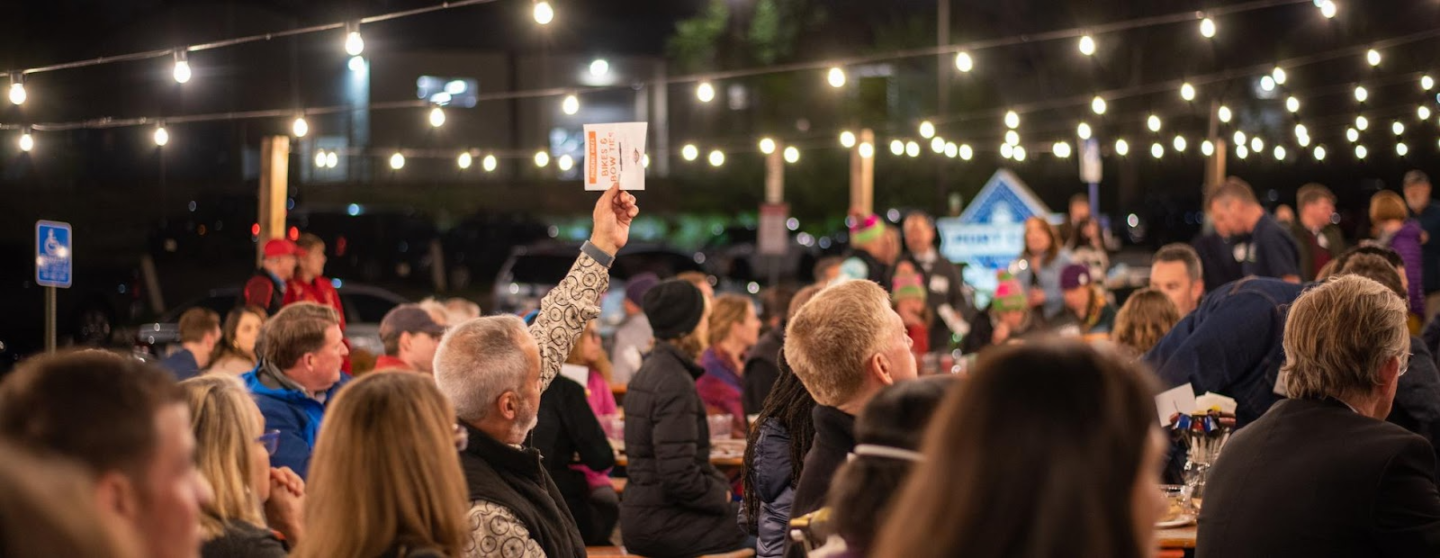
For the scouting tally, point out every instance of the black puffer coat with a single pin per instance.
(676, 503)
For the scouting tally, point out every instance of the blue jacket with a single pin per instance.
(182, 364)
(1048, 280)
(294, 414)
(774, 487)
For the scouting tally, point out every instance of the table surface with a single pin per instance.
(723, 462)
(1177, 537)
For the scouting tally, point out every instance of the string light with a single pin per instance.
(792, 155)
(912, 149)
(570, 105)
(897, 147)
(867, 150)
(1061, 150)
(1241, 151)
(927, 130)
(1122, 148)
(938, 144)
(1278, 74)
(1362, 123)
(1423, 112)
(17, 89)
(1083, 131)
(27, 141)
(1087, 45)
(963, 62)
(464, 160)
(182, 67)
(1352, 135)
(1397, 127)
(354, 43)
(1401, 149)
(1007, 151)
(331, 160)
(1292, 104)
(1153, 123)
(1187, 91)
(951, 150)
(1361, 94)
(489, 163)
(565, 162)
(966, 152)
(542, 159)
(1427, 83)
(299, 127)
(1224, 114)
(1267, 83)
(1097, 105)
(689, 152)
(1019, 153)
(847, 139)
(1361, 152)
(320, 158)
(1180, 144)
(356, 64)
(645, 160)
(1373, 57)
(836, 77)
(767, 146)
(1012, 137)
(1207, 28)
(705, 92)
(397, 161)
(1012, 120)
(1207, 148)
(1256, 144)
(600, 67)
(1156, 150)
(162, 137)
(543, 13)
(1304, 141)
(1239, 137)
(1301, 130)
(716, 158)
(1279, 153)
(1319, 153)
(437, 117)
(1328, 9)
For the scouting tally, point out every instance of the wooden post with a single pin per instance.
(1215, 167)
(775, 175)
(274, 170)
(862, 174)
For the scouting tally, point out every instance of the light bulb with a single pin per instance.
(1304, 141)
(1153, 123)
(397, 161)
(867, 150)
(645, 160)
(927, 130)
(464, 160)
(1097, 105)
(27, 142)
(897, 147)
(599, 67)
(1012, 120)
(963, 62)
(1427, 83)
(689, 152)
(1401, 149)
(356, 64)
(1083, 131)
(716, 158)
(542, 159)
(1007, 151)
(1361, 94)
(1224, 114)
(354, 43)
(1012, 137)
(1087, 45)
(1156, 150)
(320, 158)
(570, 105)
(1373, 57)
(1301, 130)
(1278, 74)
(1292, 104)
(847, 139)
(792, 155)
(1423, 112)
(17, 93)
(705, 92)
(966, 152)
(1257, 145)
(836, 77)
(1362, 123)
(437, 117)
(767, 146)
(1267, 83)
(1207, 148)
(488, 163)
(162, 137)
(1397, 127)
(1319, 153)
(1241, 151)
(1279, 153)
(1179, 144)
(1207, 28)
(1187, 92)
(565, 162)
(951, 150)
(1328, 9)
(1018, 153)
(1061, 149)
(1361, 152)
(1122, 147)
(300, 127)
(1239, 137)
(912, 149)
(1352, 135)
(938, 144)
(182, 67)
(331, 160)
(543, 13)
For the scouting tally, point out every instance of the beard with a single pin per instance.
(525, 420)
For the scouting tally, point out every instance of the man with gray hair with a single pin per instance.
(494, 371)
(1322, 473)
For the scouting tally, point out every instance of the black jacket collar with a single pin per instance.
(666, 349)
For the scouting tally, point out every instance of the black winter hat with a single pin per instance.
(674, 308)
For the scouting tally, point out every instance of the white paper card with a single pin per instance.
(580, 374)
(1180, 399)
(615, 154)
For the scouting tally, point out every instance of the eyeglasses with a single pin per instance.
(462, 438)
(271, 441)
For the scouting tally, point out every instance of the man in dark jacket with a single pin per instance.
(676, 503)
(565, 429)
(493, 370)
(947, 298)
(1319, 240)
(266, 287)
(1322, 474)
(843, 372)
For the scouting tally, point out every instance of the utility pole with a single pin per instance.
(1215, 167)
(942, 83)
(862, 172)
(274, 171)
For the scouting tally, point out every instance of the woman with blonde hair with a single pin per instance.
(235, 353)
(734, 329)
(1144, 319)
(1394, 229)
(232, 452)
(386, 479)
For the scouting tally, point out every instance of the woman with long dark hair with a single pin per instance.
(774, 454)
(1059, 455)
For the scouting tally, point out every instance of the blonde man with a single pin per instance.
(845, 345)
(1322, 473)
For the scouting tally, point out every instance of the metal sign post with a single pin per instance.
(53, 268)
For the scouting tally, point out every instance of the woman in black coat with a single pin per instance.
(676, 502)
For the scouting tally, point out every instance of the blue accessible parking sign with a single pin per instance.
(53, 254)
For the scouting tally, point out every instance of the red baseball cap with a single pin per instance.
(276, 247)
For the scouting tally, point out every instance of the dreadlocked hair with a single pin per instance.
(789, 404)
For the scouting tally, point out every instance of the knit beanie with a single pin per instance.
(674, 308)
(866, 230)
(1009, 295)
(908, 286)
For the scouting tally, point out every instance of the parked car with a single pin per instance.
(376, 247)
(478, 246)
(734, 255)
(364, 306)
(531, 271)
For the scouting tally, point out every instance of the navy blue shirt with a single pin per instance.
(1429, 219)
(1272, 252)
(182, 364)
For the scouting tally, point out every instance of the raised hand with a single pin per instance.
(614, 212)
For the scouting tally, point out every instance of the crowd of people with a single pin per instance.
(504, 435)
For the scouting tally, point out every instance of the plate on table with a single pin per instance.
(1176, 521)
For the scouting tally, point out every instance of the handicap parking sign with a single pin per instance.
(53, 254)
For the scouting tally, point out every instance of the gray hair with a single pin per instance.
(1339, 335)
(480, 360)
(1183, 253)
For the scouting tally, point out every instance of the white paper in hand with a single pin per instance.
(580, 374)
(1180, 399)
(615, 154)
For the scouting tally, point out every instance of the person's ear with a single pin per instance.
(405, 339)
(1390, 372)
(509, 405)
(116, 495)
(879, 367)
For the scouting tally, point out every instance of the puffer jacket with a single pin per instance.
(774, 487)
(676, 503)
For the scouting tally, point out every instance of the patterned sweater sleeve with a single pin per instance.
(495, 532)
(564, 313)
